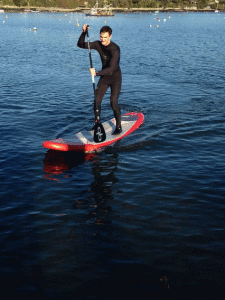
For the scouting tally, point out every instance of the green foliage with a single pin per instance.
(20, 2)
(7, 2)
(41, 3)
(153, 4)
(201, 4)
(143, 3)
(17, 2)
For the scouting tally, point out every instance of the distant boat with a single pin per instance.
(216, 11)
(96, 11)
(2, 11)
(31, 11)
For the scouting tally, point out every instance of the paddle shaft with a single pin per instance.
(99, 131)
(89, 51)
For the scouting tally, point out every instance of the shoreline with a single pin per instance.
(8, 8)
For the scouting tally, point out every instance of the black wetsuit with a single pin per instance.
(110, 75)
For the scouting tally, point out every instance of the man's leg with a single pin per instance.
(115, 91)
(99, 94)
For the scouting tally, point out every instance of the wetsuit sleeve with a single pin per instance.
(114, 63)
(82, 44)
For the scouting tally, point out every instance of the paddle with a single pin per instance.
(99, 131)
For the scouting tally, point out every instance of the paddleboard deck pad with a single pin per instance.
(84, 141)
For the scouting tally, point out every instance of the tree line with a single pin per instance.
(72, 4)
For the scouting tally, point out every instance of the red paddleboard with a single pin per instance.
(84, 142)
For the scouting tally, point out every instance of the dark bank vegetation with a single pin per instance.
(123, 4)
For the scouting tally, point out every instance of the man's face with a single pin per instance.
(105, 38)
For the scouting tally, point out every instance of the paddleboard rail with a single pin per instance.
(84, 142)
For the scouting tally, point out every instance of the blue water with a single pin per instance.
(145, 216)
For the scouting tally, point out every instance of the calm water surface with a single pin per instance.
(141, 216)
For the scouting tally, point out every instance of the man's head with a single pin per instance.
(105, 35)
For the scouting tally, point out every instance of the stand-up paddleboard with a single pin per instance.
(84, 141)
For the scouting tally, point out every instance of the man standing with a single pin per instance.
(110, 75)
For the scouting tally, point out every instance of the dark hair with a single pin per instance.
(106, 29)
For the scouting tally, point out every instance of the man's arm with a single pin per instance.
(81, 42)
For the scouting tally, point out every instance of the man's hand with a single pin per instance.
(92, 71)
(85, 27)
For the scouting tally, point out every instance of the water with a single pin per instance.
(141, 216)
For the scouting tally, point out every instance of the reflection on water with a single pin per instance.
(100, 191)
(79, 243)
(56, 162)
(101, 187)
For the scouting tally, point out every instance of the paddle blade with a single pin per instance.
(99, 133)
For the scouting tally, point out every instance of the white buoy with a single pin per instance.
(164, 20)
(150, 25)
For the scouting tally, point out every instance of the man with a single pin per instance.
(110, 75)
